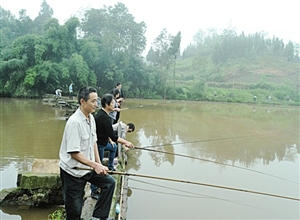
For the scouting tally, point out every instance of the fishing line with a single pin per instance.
(166, 193)
(141, 106)
(195, 183)
(171, 188)
(206, 160)
(204, 184)
(208, 140)
(199, 195)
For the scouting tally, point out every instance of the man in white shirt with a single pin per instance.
(80, 162)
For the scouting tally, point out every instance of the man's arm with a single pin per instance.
(97, 167)
(126, 143)
(96, 152)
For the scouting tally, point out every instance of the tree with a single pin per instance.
(80, 73)
(120, 39)
(45, 13)
(289, 51)
(24, 23)
(163, 51)
(175, 52)
(61, 41)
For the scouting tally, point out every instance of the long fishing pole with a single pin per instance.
(196, 183)
(206, 160)
(193, 193)
(157, 103)
(209, 140)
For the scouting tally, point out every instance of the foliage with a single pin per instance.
(105, 45)
(58, 214)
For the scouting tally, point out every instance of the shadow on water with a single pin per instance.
(25, 213)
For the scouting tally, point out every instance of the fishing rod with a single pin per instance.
(206, 160)
(195, 183)
(193, 193)
(141, 106)
(209, 140)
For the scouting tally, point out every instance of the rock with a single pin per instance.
(39, 181)
(45, 166)
(39, 188)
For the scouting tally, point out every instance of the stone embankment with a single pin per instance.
(41, 187)
(70, 105)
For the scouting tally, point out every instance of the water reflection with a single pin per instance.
(230, 134)
(265, 140)
(235, 137)
(25, 213)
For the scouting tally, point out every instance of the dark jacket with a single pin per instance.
(104, 128)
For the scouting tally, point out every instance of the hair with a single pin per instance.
(106, 99)
(84, 93)
(115, 92)
(131, 126)
(119, 83)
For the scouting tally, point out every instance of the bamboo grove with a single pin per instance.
(100, 47)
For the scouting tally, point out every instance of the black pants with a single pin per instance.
(73, 192)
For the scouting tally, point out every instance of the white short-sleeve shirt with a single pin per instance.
(121, 128)
(79, 136)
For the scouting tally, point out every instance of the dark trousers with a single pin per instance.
(117, 117)
(112, 154)
(73, 192)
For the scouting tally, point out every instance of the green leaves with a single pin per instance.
(29, 80)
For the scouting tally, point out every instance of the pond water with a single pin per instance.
(244, 147)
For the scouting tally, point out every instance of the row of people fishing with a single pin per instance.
(86, 136)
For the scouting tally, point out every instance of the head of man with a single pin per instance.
(116, 93)
(130, 127)
(108, 102)
(119, 86)
(87, 99)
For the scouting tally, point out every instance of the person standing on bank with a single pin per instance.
(113, 114)
(71, 91)
(79, 150)
(106, 135)
(120, 100)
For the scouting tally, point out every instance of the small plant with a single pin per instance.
(58, 214)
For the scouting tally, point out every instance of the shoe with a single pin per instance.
(83, 201)
(115, 161)
(95, 196)
(94, 218)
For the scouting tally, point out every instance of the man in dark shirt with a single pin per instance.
(106, 137)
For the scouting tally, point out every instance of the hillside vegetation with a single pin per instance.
(239, 80)
(104, 46)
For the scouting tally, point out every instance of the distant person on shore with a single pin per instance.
(120, 99)
(99, 102)
(269, 98)
(79, 152)
(71, 91)
(113, 114)
(58, 92)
